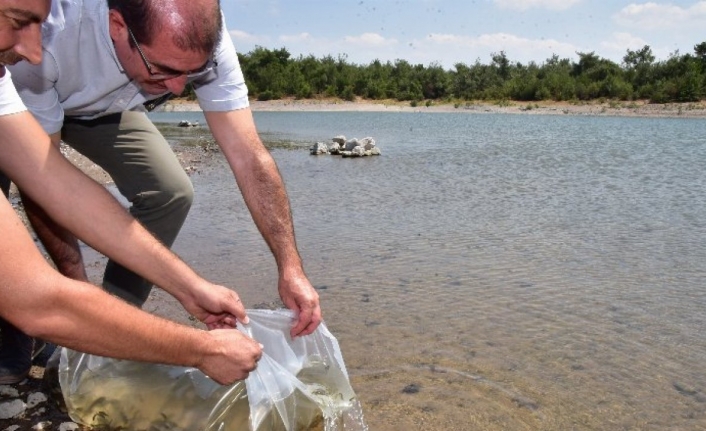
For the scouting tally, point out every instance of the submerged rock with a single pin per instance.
(411, 388)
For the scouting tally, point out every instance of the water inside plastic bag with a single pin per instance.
(299, 384)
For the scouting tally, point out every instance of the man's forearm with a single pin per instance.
(262, 188)
(75, 314)
(72, 313)
(85, 318)
(76, 202)
(267, 201)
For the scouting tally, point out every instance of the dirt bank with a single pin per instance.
(606, 108)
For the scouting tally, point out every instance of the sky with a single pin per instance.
(447, 32)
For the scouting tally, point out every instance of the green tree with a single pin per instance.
(681, 78)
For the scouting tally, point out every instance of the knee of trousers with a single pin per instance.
(178, 197)
(164, 211)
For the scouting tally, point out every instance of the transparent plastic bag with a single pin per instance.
(299, 384)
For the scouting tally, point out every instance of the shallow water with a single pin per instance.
(491, 271)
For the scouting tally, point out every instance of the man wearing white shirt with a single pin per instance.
(104, 65)
(45, 304)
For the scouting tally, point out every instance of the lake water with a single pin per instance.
(499, 272)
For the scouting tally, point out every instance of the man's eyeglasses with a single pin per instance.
(168, 74)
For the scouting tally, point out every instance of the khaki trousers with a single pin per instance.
(146, 171)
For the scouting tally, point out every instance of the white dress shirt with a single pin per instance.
(80, 75)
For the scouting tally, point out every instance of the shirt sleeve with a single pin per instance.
(10, 102)
(224, 90)
(35, 85)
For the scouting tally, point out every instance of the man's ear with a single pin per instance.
(116, 25)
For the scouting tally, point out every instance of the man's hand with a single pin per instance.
(216, 306)
(262, 187)
(232, 355)
(299, 295)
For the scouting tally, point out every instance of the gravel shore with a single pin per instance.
(606, 108)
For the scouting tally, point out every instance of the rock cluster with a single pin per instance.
(346, 147)
(185, 123)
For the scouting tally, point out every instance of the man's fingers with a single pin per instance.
(236, 308)
(223, 321)
(308, 320)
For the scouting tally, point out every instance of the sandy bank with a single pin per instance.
(609, 108)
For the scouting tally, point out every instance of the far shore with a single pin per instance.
(596, 108)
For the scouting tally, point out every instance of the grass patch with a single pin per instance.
(201, 137)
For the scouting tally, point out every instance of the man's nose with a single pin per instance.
(176, 85)
(29, 43)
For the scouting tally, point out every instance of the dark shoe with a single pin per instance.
(15, 354)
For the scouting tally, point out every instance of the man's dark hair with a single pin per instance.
(201, 30)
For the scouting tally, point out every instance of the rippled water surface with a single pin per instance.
(489, 271)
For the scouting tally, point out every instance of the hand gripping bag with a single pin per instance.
(299, 384)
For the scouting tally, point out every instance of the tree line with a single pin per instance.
(274, 74)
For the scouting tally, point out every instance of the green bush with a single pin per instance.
(268, 95)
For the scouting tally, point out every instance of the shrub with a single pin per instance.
(268, 95)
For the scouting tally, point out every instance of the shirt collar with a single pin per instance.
(104, 26)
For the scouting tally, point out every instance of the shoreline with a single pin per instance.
(607, 109)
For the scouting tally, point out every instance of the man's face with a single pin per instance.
(20, 30)
(159, 67)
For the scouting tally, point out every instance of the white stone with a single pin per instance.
(35, 398)
(68, 426)
(8, 391)
(350, 144)
(334, 148)
(40, 411)
(318, 148)
(42, 426)
(358, 151)
(368, 143)
(340, 139)
(12, 428)
(12, 409)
